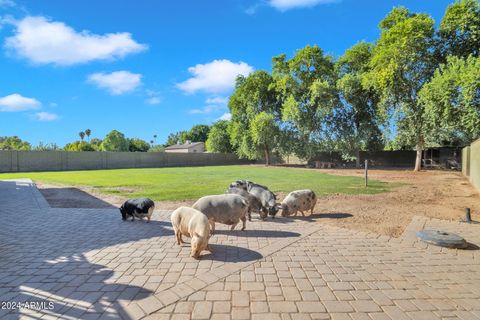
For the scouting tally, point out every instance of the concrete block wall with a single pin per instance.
(466, 161)
(25, 161)
(475, 164)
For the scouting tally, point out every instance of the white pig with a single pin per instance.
(194, 224)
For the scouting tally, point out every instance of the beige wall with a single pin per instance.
(177, 151)
(475, 164)
(193, 149)
(466, 161)
(24, 161)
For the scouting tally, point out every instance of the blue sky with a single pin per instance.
(149, 67)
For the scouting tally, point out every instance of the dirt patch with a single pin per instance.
(71, 197)
(436, 194)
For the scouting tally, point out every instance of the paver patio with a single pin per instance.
(91, 264)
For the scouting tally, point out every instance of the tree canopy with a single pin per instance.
(219, 138)
(114, 141)
(452, 101)
(14, 143)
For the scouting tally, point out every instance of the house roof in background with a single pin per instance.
(183, 146)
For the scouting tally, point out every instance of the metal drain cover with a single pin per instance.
(442, 239)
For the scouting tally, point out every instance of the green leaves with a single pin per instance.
(460, 29)
(14, 143)
(114, 141)
(452, 99)
(254, 95)
(218, 138)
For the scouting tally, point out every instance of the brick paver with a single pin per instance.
(91, 264)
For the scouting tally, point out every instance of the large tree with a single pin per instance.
(402, 62)
(459, 31)
(175, 138)
(114, 141)
(264, 132)
(198, 133)
(253, 95)
(356, 118)
(88, 132)
(138, 145)
(14, 143)
(305, 85)
(79, 146)
(452, 101)
(219, 138)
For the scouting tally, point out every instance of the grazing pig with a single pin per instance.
(299, 200)
(254, 205)
(140, 208)
(194, 224)
(263, 194)
(228, 209)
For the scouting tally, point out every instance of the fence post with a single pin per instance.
(366, 173)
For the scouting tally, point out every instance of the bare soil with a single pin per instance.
(436, 194)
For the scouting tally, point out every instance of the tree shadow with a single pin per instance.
(471, 246)
(55, 259)
(85, 292)
(227, 253)
(311, 217)
(258, 233)
(333, 215)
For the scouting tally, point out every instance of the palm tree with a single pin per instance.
(155, 138)
(88, 132)
(81, 134)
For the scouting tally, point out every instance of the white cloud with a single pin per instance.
(154, 97)
(214, 77)
(43, 41)
(284, 5)
(213, 104)
(206, 110)
(7, 3)
(252, 9)
(118, 82)
(46, 116)
(226, 116)
(16, 102)
(217, 100)
(153, 100)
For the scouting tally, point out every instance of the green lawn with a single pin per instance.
(194, 182)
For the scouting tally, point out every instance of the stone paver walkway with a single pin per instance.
(90, 264)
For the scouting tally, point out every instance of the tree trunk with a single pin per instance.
(357, 154)
(418, 160)
(267, 156)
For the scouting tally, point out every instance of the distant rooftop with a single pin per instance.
(186, 145)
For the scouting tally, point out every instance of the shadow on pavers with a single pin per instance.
(44, 260)
(258, 233)
(227, 253)
(81, 298)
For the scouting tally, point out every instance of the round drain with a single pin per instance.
(442, 239)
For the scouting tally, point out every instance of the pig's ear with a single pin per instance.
(278, 206)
